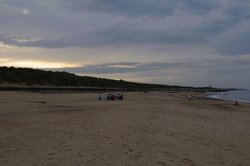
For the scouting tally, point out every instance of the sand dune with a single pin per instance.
(145, 129)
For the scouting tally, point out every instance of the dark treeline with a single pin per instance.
(35, 77)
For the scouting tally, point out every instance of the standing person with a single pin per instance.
(100, 97)
(189, 97)
(236, 103)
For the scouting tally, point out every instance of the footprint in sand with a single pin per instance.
(123, 146)
(52, 154)
(169, 154)
(161, 163)
(80, 155)
(188, 161)
(131, 150)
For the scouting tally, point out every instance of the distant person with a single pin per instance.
(112, 97)
(236, 103)
(108, 97)
(189, 97)
(100, 97)
(121, 97)
(116, 96)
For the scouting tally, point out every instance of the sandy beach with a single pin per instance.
(145, 129)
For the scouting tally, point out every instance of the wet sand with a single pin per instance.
(145, 129)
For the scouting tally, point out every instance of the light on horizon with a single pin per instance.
(37, 64)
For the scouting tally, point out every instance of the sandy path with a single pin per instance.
(144, 129)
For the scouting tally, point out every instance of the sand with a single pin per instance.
(145, 129)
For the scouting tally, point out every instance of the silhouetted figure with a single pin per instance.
(121, 97)
(236, 103)
(100, 97)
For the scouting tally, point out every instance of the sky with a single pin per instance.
(173, 42)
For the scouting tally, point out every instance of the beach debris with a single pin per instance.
(42, 102)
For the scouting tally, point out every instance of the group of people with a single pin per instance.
(117, 96)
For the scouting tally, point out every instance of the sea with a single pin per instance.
(234, 95)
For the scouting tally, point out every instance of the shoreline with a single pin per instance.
(231, 100)
(230, 96)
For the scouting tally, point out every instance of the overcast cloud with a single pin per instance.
(165, 40)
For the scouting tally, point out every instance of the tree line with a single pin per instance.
(37, 77)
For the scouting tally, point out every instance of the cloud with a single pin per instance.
(218, 24)
(123, 7)
(112, 37)
(234, 41)
(133, 8)
(122, 23)
(121, 67)
(195, 73)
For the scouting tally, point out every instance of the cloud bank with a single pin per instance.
(95, 23)
(124, 36)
